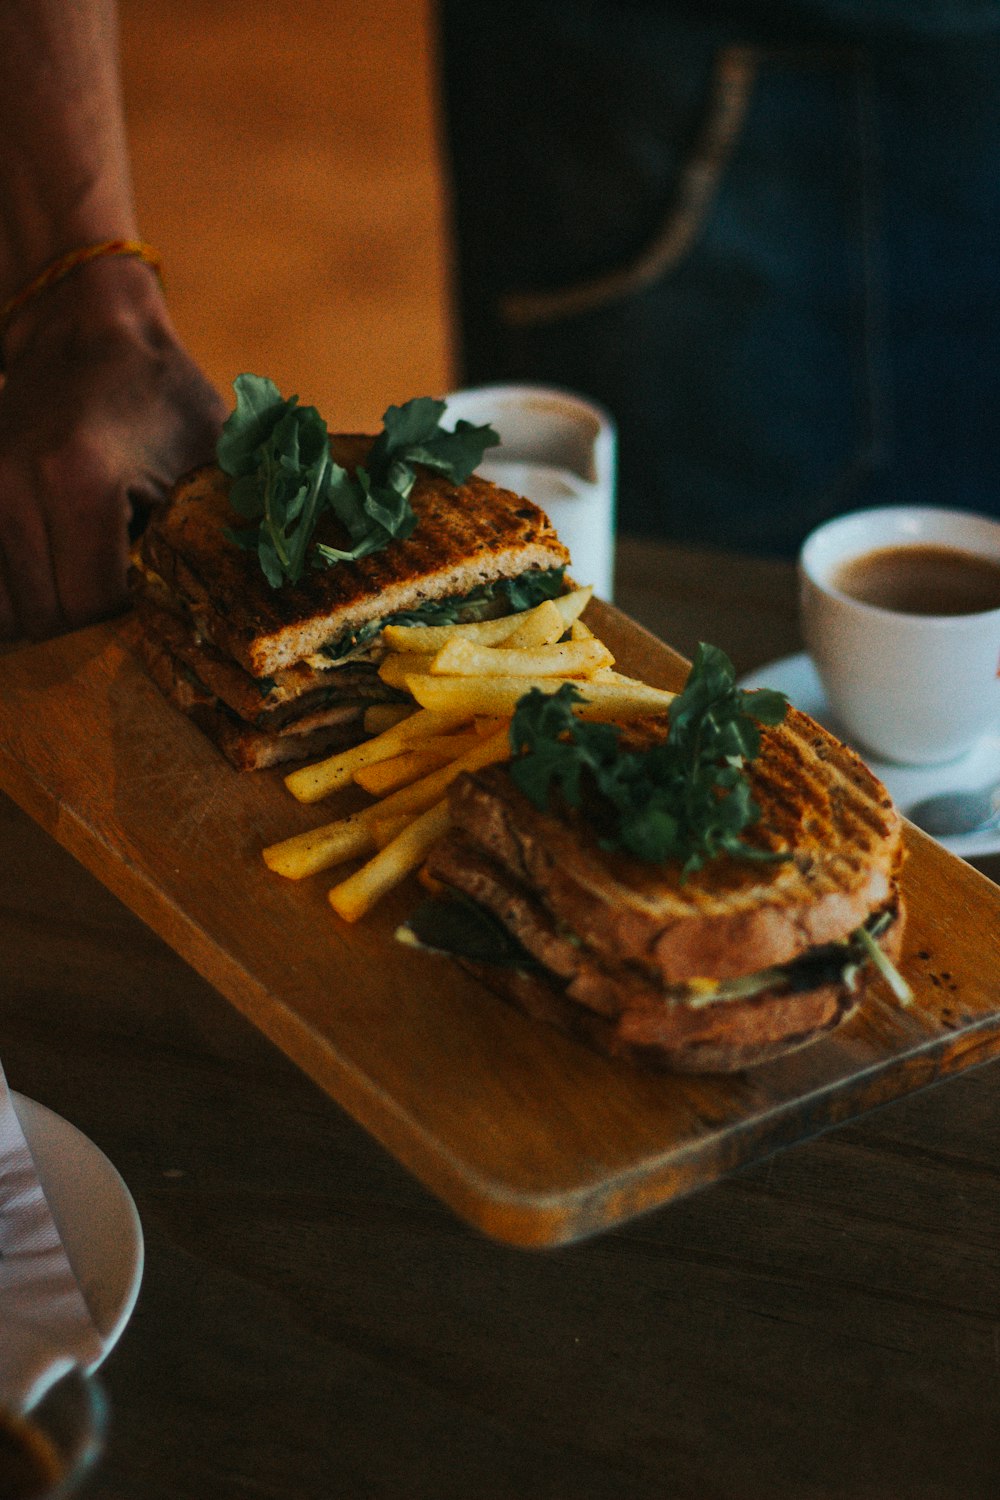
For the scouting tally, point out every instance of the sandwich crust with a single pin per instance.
(245, 746)
(300, 694)
(727, 1037)
(642, 961)
(617, 1007)
(245, 661)
(821, 808)
(465, 536)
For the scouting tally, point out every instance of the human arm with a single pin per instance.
(101, 406)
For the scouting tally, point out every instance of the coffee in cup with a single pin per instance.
(900, 611)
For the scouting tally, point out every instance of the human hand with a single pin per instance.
(100, 412)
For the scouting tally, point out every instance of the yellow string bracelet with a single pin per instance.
(64, 264)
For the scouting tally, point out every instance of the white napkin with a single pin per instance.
(45, 1324)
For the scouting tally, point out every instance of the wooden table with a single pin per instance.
(313, 1324)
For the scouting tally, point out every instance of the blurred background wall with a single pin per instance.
(286, 166)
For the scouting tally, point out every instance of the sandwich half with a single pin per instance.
(279, 674)
(715, 969)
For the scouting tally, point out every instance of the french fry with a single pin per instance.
(420, 795)
(413, 638)
(580, 631)
(386, 775)
(359, 892)
(320, 848)
(353, 837)
(483, 632)
(572, 605)
(618, 679)
(571, 659)
(542, 626)
(311, 783)
(384, 830)
(379, 717)
(626, 699)
(395, 667)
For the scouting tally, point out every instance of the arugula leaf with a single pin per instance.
(259, 407)
(371, 516)
(278, 455)
(686, 798)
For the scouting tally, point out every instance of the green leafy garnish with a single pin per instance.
(687, 798)
(278, 455)
(457, 926)
(884, 964)
(503, 596)
(532, 588)
(543, 583)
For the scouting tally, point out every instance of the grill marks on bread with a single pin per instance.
(617, 1008)
(621, 946)
(465, 536)
(245, 660)
(818, 801)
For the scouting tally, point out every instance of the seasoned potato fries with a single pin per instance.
(483, 632)
(310, 783)
(466, 680)
(397, 666)
(539, 627)
(320, 848)
(622, 699)
(359, 892)
(386, 775)
(573, 659)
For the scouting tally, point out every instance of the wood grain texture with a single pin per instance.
(522, 1132)
(818, 1326)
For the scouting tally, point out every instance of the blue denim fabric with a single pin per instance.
(822, 214)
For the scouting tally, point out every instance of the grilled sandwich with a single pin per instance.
(278, 674)
(713, 970)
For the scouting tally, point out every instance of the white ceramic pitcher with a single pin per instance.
(559, 450)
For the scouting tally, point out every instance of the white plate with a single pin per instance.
(94, 1213)
(907, 785)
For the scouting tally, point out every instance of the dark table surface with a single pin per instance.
(313, 1324)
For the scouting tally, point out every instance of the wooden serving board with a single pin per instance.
(523, 1132)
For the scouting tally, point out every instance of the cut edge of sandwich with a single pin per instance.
(244, 745)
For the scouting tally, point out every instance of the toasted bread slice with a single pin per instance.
(266, 703)
(727, 1037)
(244, 745)
(622, 1011)
(821, 807)
(465, 536)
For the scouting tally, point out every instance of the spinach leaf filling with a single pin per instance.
(506, 595)
(456, 926)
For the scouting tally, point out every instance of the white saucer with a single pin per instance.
(94, 1213)
(907, 785)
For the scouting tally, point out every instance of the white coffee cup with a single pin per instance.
(917, 689)
(559, 450)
